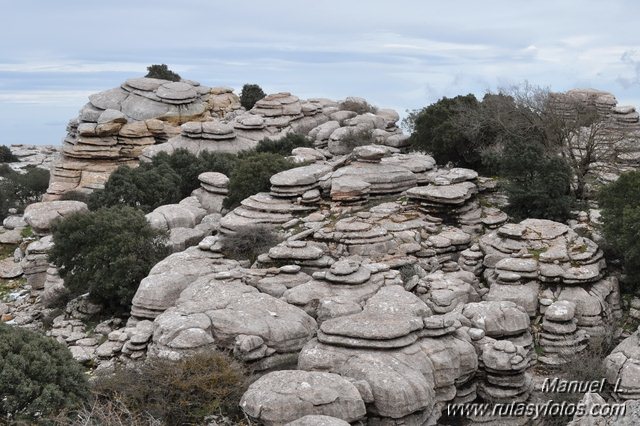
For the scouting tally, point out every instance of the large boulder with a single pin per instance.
(285, 396)
(40, 216)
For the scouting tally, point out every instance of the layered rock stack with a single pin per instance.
(342, 289)
(212, 192)
(309, 255)
(501, 321)
(36, 262)
(505, 378)
(116, 125)
(539, 259)
(560, 338)
(450, 198)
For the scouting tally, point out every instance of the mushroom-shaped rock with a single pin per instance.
(284, 396)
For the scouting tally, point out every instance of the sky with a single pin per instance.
(401, 54)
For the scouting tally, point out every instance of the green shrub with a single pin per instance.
(284, 145)
(176, 392)
(76, 196)
(620, 204)
(252, 174)
(17, 190)
(38, 376)
(359, 107)
(6, 156)
(436, 131)
(161, 71)
(538, 185)
(188, 166)
(250, 94)
(145, 187)
(106, 253)
(249, 241)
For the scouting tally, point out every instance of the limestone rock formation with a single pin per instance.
(117, 124)
(623, 368)
(285, 396)
(40, 216)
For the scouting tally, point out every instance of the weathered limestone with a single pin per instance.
(40, 216)
(623, 368)
(539, 259)
(284, 396)
(212, 192)
(505, 377)
(223, 312)
(560, 338)
(450, 198)
(35, 262)
(116, 125)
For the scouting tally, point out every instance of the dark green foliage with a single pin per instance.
(106, 253)
(17, 190)
(284, 145)
(436, 130)
(251, 93)
(538, 182)
(250, 241)
(175, 392)
(145, 188)
(620, 204)
(6, 156)
(161, 71)
(188, 166)
(38, 376)
(252, 174)
(76, 196)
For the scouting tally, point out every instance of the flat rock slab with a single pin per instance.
(40, 216)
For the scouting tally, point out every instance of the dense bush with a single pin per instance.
(167, 179)
(284, 145)
(17, 190)
(161, 71)
(359, 106)
(250, 94)
(537, 183)
(145, 188)
(249, 241)
(6, 156)
(175, 392)
(436, 130)
(38, 376)
(106, 253)
(188, 166)
(620, 204)
(252, 174)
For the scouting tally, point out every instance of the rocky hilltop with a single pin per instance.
(145, 116)
(396, 288)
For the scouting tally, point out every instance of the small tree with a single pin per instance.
(538, 184)
(284, 145)
(38, 376)
(437, 131)
(162, 71)
(6, 156)
(251, 93)
(620, 203)
(106, 253)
